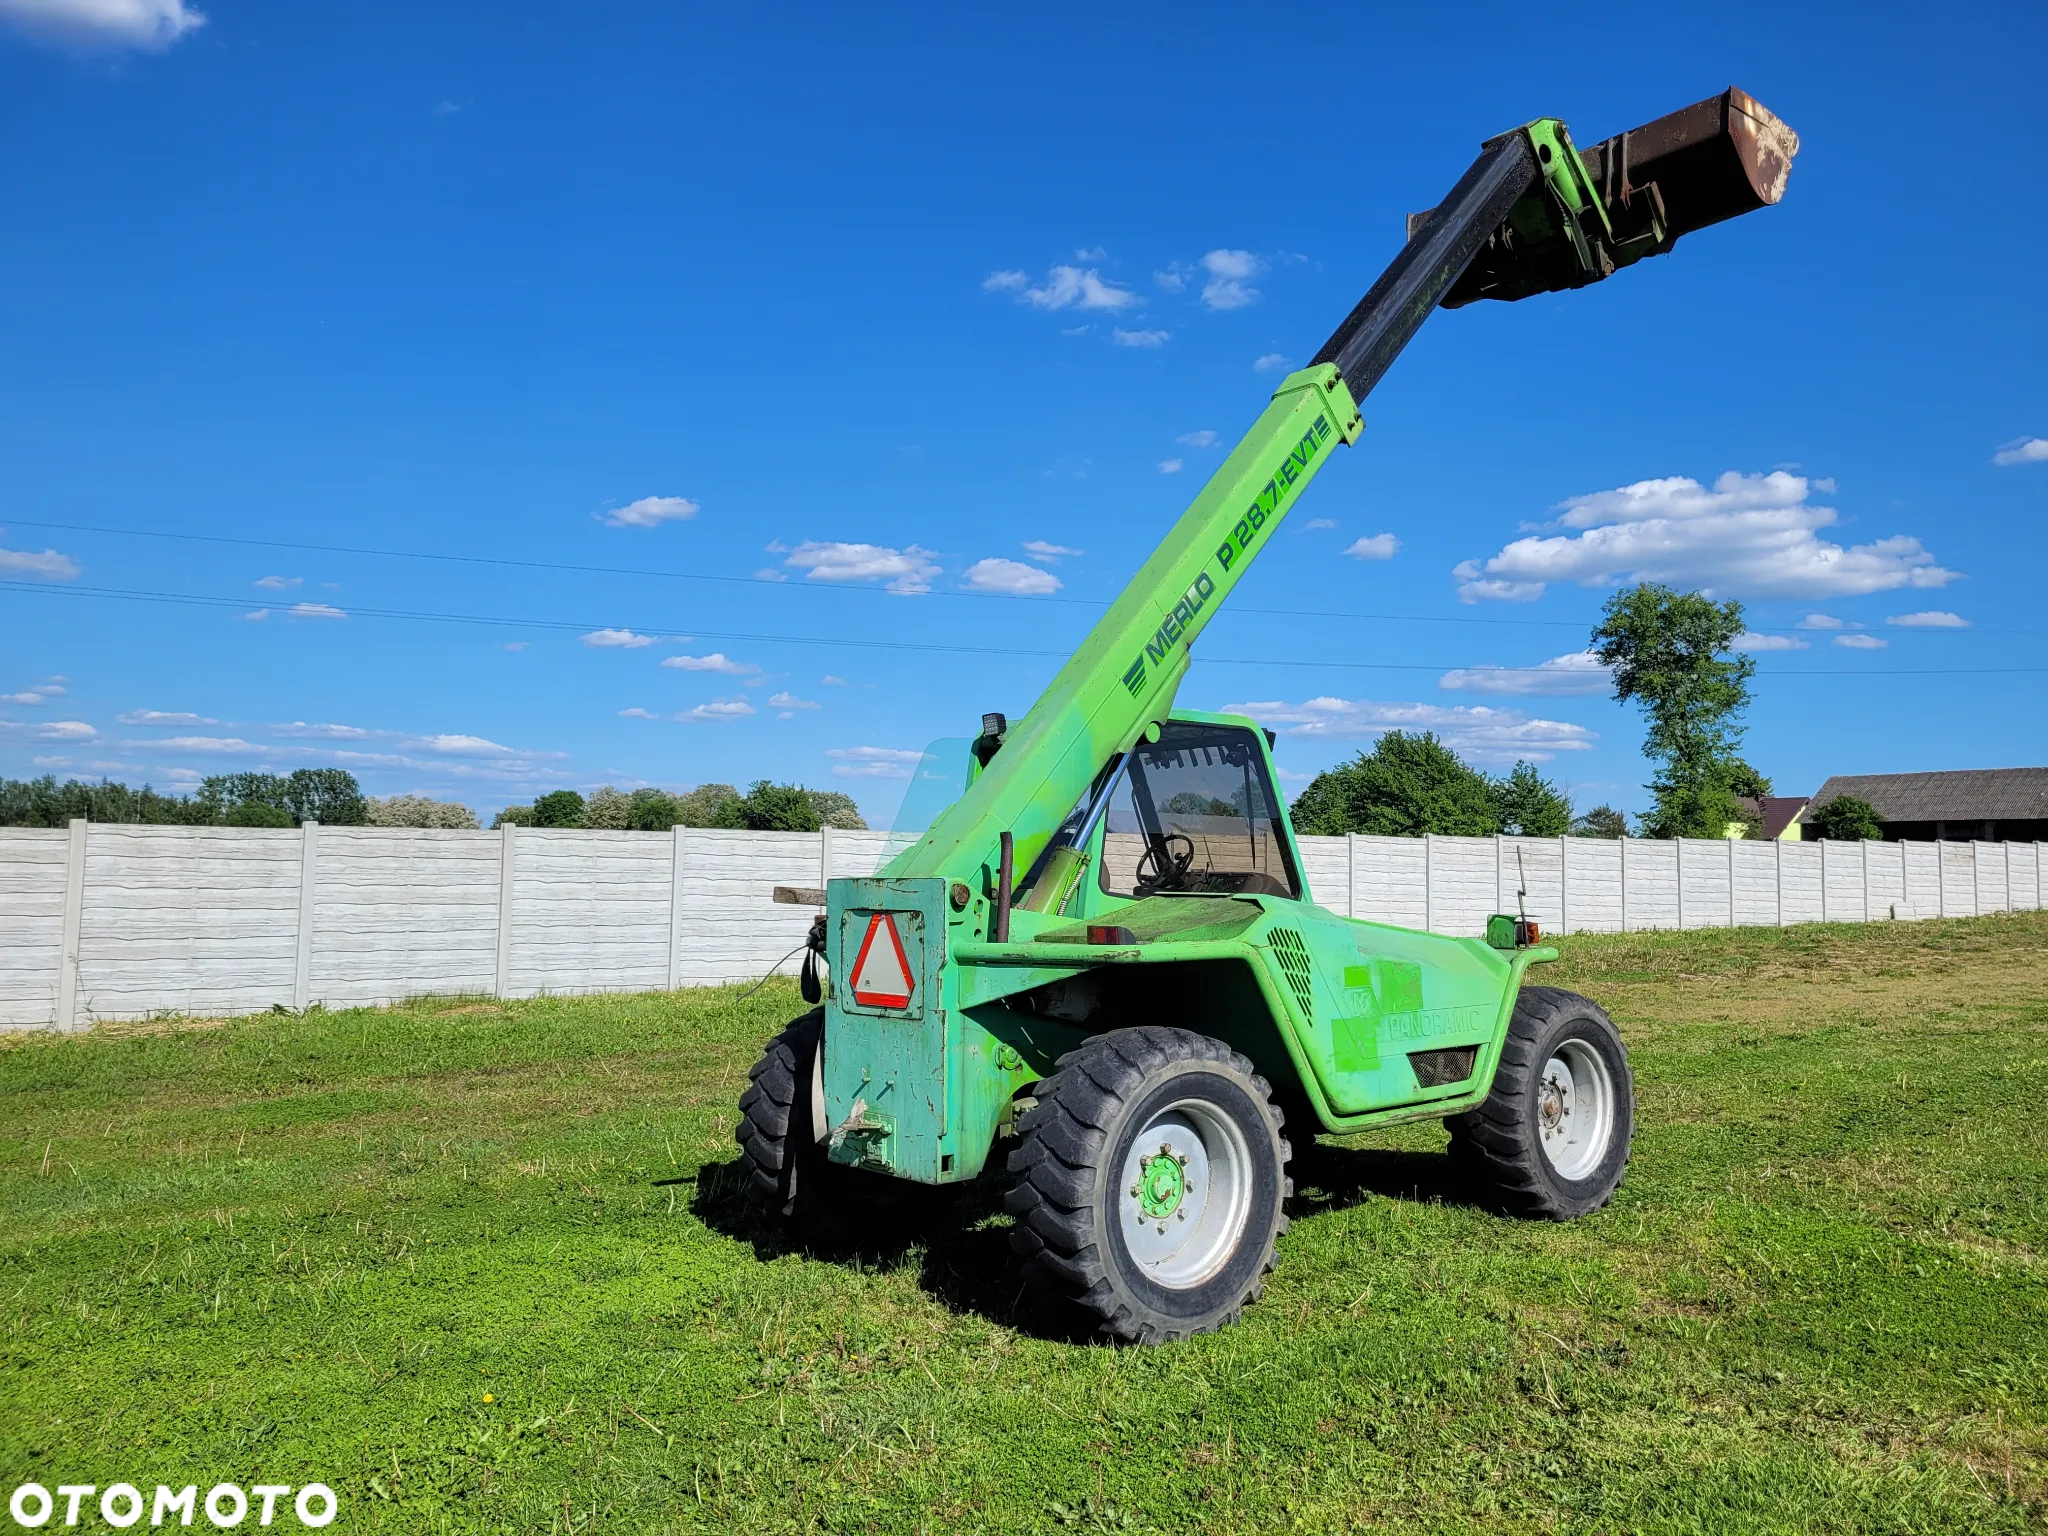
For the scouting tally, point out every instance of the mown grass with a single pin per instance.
(485, 1267)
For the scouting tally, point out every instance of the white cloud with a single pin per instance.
(1173, 280)
(21, 698)
(1228, 272)
(766, 574)
(1750, 640)
(623, 639)
(833, 680)
(1478, 731)
(717, 661)
(872, 762)
(2023, 450)
(1148, 339)
(996, 574)
(717, 711)
(64, 730)
(164, 717)
(1862, 642)
(904, 570)
(1047, 554)
(637, 713)
(257, 615)
(278, 583)
(1751, 535)
(1272, 362)
(515, 645)
(1092, 253)
(24, 562)
(1581, 672)
(208, 744)
(323, 731)
(1318, 522)
(1170, 466)
(462, 746)
(1381, 546)
(1933, 618)
(1472, 590)
(1825, 621)
(791, 701)
(152, 25)
(1064, 288)
(314, 611)
(649, 512)
(1202, 439)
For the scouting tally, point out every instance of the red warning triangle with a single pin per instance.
(881, 975)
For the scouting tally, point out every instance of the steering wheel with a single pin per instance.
(1169, 865)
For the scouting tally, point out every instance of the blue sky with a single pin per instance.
(838, 367)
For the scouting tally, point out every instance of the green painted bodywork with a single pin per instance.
(1329, 1009)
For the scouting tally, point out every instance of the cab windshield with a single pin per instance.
(1194, 812)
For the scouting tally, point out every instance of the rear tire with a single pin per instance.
(1150, 1182)
(780, 1135)
(1552, 1139)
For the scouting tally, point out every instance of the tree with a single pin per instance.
(418, 811)
(44, 802)
(770, 807)
(710, 805)
(608, 810)
(1409, 784)
(1845, 819)
(558, 808)
(513, 816)
(1529, 805)
(1668, 653)
(329, 796)
(837, 810)
(1601, 821)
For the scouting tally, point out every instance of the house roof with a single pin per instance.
(1777, 811)
(1966, 794)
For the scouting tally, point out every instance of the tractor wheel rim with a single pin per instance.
(1185, 1196)
(1575, 1110)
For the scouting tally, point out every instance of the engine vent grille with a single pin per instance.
(1292, 954)
(1436, 1069)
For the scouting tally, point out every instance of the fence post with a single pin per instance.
(675, 908)
(1679, 844)
(507, 844)
(1731, 880)
(1351, 874)
(1428, 882)
(824, 857)
(1778, 873)
(1865, 842)
(302, 964)
(1624, 882)
(1564, 885)
(74, 920)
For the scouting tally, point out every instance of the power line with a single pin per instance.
(189, 599)
(753, 581)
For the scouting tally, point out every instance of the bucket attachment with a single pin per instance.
(1639, 192)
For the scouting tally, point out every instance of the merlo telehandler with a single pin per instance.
(1103, 952)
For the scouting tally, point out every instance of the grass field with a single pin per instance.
(486, 1267)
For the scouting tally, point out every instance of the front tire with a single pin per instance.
(1552, 1139)
(1149, 1184)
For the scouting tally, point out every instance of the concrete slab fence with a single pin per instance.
(124, 922)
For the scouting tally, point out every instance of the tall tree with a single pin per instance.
(1670, 652)
(1529, 805)
(1845, 819)
(1409, 784)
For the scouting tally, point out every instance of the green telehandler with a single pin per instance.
(1103, 951)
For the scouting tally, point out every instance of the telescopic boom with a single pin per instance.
(1532, 215)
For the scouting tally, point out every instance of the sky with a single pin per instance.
(497, 399)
